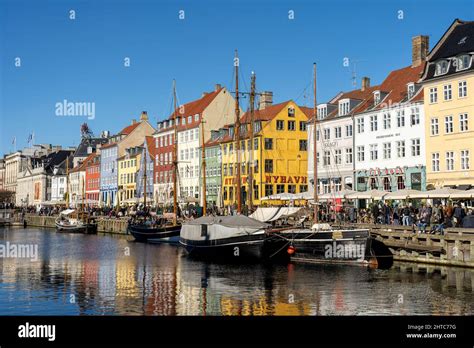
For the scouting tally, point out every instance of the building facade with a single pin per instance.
(335, 140)
(163, 166)
(93, 180)
(213, 170)
(448, 83)
(128, 166)
(130, 136)
(279, 158)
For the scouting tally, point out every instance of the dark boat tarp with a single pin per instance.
(229, 221)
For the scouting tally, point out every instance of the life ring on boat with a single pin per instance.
(291, 250)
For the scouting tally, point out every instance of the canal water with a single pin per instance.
(109, 275)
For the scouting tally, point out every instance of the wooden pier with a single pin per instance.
(454, 248)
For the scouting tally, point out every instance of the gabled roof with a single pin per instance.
(457, 39)
(196, 106)
(81, 150)
(150, 143)
(82, 167)
(129, 129)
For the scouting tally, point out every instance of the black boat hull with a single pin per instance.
(146, 234)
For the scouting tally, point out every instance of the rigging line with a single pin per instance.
(304, 90)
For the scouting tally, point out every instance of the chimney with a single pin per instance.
(134, 121)
(420, 46)
(204, 94)
(144, 116)
(217, 87)
(365, 83)
(266, 99)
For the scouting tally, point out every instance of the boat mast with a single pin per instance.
(315, 154)
(250, 168)
(83, 192)
(144, 154)
(203, 157)
(175, 157)
(237, 133)
(67, 181)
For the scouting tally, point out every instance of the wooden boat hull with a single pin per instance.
(83, 228)
(335, 246)
(146, 234)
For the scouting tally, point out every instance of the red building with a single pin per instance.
(93, 178)
(163, 162)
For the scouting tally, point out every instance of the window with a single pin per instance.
(268, 189)
(400, 183)
(303, 188)
(255, 168)
(338, 156)
(337, 132)
(374, 155)
(190, 119)
(463, 123)
(291, 188)
(373, 183)
(462, 89)
(448, 94)
(387, 150)
(401, 148)
(327, 158)
(291, 125)
(450, 160)
(348, 130)
(410, 90)
(268, 166)
(360, 125)
(465, 159)
(225, 169)
(442, 67)
(327, 134)
(268, 144)
(255, 144)
(400, 118)
(291, 111)
(435, 162)
(373, 123)
(415, 116)
(360, 154)
(303, 145)
(196, 117)
(376, 97)
(434, 126)
(280, 125)
(348, 155)
(448, 124)
(231, 169)
(463, 62)
(322, 112)
(415, 147)
(387, 121)
(386, 184)
(343, 107)
(302, 126)
(433, 95)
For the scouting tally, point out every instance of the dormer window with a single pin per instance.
(291, 111)
(463, 62)
(344, 107)
(376, 97)
(190, 119)
(442, 67)
(183, 120)
(410, 90)
(322, 112)
(196, 117)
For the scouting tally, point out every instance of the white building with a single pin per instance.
(335, 139)
(58, 187)
(389, 135)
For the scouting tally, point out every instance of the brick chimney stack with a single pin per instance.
(365, 83)
(420, 48)
(266, 99)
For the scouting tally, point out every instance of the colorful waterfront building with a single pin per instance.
(279, 158)
(335, 140)
(93, 179)
(130, 136)
(389, 142)
(212, 111)
(77, 181)
(448, 83)
(214, 169)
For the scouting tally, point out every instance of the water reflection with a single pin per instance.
(96, 275)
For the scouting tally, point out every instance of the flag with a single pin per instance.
(13, 141)
(30, 138)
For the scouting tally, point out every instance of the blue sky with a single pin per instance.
(82, 60)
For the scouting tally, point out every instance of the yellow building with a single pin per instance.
(448, 82)
(279, 153)
(128, 167)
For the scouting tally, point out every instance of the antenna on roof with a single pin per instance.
(352, 64)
